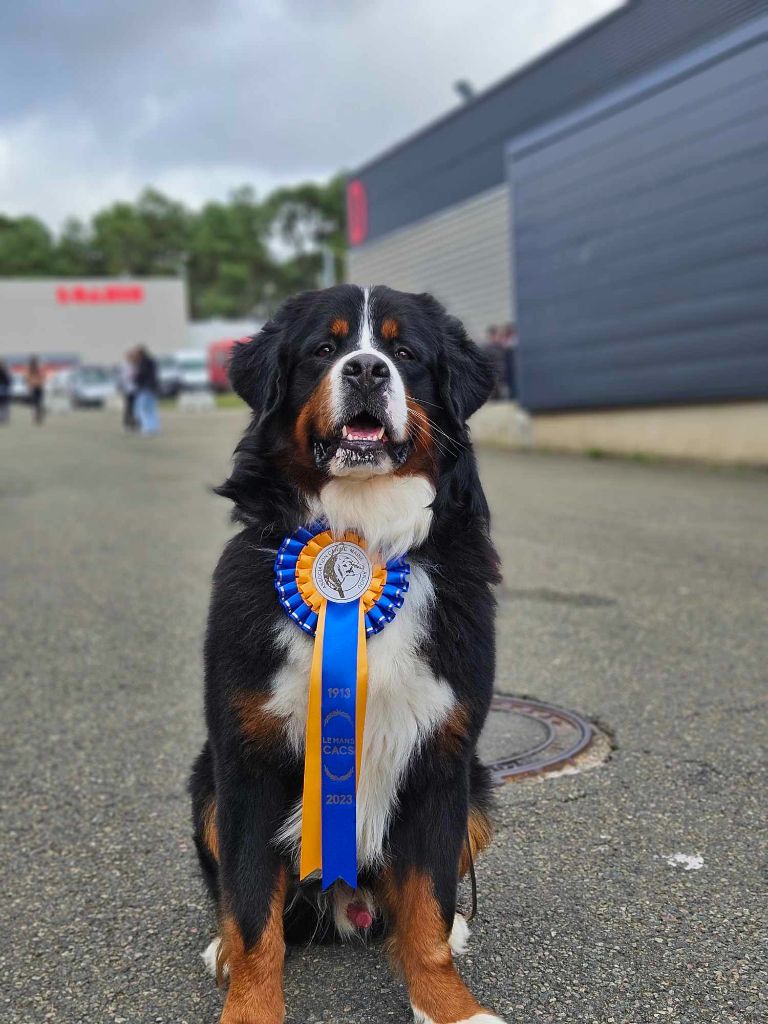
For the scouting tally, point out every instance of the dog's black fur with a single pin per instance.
(255, 786)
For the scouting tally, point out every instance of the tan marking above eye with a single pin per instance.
(390, 329)
(340, 327)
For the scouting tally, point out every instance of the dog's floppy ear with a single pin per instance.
(466, 373)
(255, 370)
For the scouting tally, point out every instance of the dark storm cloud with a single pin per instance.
(200, 95)
(169, 82)
(79, 50)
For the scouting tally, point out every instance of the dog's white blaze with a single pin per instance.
(406, 703)
(365, 334)
(393, 513)
(397, 406)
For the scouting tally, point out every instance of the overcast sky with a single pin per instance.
(198, 96)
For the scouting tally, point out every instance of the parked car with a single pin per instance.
(92, 386)
(19, 389)
(192, 364)
(219, 354)
(168, 376)
(60, 383)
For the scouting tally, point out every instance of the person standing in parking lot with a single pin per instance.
(510, 354)
(35, 383)
(145, 403)
(128, 389)
(5, 393)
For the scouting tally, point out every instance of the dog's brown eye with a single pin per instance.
(325, 350)
(403, 353)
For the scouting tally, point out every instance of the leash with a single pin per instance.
(472, 877)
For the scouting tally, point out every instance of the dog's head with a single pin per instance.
(353, 382)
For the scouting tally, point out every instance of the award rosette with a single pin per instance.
(330, 588)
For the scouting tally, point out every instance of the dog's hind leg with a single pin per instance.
(205, 835)
(479, 831)
(206, 838)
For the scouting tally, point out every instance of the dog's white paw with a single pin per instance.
(458, 940)
(483, 1018)
(209, 955)
(478, 1018)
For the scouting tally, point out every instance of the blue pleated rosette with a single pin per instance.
(382, 611)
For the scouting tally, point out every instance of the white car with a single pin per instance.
(19, 387)
(192, 366)
(168, 377)
(92, 386)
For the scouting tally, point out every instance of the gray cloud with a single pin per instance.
(98, 99)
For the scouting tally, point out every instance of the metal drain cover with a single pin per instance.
(524, 737)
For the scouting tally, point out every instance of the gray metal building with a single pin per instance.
(97, 320)
(611, 197)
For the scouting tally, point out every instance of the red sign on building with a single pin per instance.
(357, 212)
(98, 295)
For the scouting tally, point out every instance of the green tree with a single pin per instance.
(148, 237)
(169, 226)
(242, 257)
(74, 254)
(26, 247)
(305, 218)
(229, 262)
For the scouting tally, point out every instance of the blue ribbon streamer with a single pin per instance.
(338, 813)
(339, 810)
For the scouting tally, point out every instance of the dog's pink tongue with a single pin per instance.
(359, 915)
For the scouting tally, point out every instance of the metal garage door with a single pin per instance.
(641, 238)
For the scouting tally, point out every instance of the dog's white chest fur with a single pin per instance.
(406, 703)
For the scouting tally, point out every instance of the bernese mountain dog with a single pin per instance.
(360, 402)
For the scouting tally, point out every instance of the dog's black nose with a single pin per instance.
(367, 370)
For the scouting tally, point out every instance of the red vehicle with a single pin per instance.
(219, 354)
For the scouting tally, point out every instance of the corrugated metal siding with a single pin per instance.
(641, 240)
(462, 154)
(461, 256)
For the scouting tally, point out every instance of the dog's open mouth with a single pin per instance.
(363, 441)
(363, 433)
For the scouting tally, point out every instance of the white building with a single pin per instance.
(96, 320)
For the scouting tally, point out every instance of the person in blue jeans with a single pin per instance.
(145, 403)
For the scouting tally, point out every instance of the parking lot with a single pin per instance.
(634, 593)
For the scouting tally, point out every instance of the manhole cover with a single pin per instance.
(523, 737)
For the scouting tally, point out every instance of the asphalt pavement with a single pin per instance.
(634, 593)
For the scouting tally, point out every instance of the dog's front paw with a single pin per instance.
(483, 1018)
(250, 1013)
(479, 1018)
